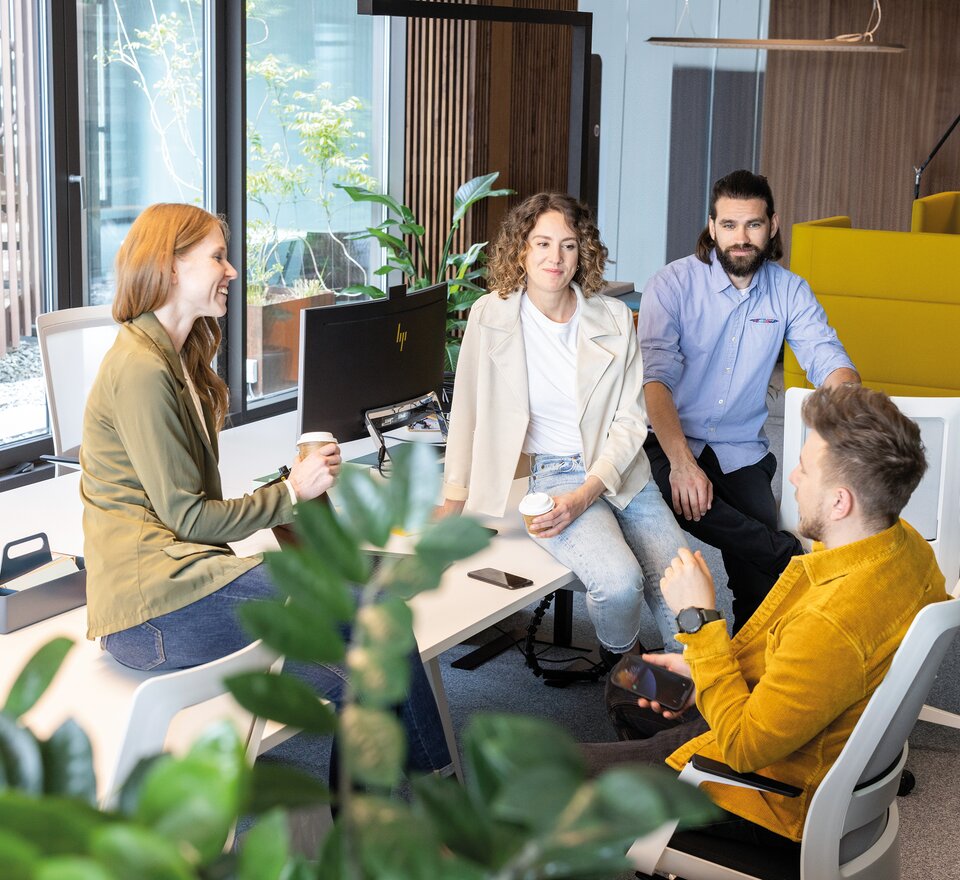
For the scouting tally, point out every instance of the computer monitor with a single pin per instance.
(356, 357)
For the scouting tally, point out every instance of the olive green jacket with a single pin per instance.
(155, 523)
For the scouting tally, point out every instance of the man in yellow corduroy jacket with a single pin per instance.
(783, 695)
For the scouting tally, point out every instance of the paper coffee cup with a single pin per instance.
(313, 440)
(533, 505)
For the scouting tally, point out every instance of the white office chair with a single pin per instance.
(160, 698)
(852, 824)
(73, 343)
(934, 508)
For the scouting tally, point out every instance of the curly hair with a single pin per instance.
(506, 272)
(144, 266)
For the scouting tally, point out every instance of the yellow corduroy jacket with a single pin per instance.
(783, 695)
(155, 524)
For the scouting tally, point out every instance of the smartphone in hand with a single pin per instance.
(500, 578)
(651, 682)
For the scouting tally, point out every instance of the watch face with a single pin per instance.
(689, 620)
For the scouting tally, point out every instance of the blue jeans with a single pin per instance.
(618, 555)
(209, 628)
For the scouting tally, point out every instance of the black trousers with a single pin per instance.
(741, 524)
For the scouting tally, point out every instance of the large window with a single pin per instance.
(141, 120)
(313, 91)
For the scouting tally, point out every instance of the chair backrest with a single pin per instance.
(862, 784)
(73, 343)
(934, 507)
(159, 699)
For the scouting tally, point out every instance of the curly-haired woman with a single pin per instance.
(550, 369)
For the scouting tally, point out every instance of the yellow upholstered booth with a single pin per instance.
(937, 213)
(894, 299)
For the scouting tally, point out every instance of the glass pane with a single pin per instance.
(142, 112)
(311, 93)
(23, 411)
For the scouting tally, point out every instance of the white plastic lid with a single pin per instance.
(317, 437)
(536, 503)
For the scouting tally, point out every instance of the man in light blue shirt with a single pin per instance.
(711, 326)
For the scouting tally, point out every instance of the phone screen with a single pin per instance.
(651, 682)
(500, 578)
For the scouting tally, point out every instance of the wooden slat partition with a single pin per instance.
(19, 183)
(484, 97)
(841, 133)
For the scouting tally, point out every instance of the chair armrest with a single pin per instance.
(701, 769)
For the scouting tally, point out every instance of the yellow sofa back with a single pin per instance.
(937, 213)
(894, 299)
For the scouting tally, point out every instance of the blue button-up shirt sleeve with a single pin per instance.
(810, 336)
(658, 326)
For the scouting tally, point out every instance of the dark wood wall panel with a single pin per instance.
(841, 133)
(484, 97)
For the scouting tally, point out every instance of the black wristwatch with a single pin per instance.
(691, 620)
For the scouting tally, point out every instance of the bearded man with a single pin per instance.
(711, 328)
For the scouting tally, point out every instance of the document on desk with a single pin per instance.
(42, 574)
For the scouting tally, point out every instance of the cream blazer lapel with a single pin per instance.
(593, 359)
(507, 353)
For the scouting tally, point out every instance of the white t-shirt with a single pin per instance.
(551, 350)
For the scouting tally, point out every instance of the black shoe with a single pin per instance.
(608, 659)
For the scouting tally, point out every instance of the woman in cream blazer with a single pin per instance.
(553, 370)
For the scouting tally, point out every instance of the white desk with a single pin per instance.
(95, 690)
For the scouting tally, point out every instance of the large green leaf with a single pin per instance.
(293, 630)
(394, 843)
(36, 676)
(303, 576)
(55, 825)
(461, 827)
(379, 676)
(499, 748)
(452, 538)
(20, 755)
(368, 289)
(266, 849)
(68, 763)
(71, 868)
(373, 745)
(193, 801)
(283, 698)
(18, 857)
(641, 798)
(365, 506)
(277, 785)
(139, 854)
(473, 191)
(388, 624)
(414, 484)
(410, 575)
(321, 529)
(358, 194)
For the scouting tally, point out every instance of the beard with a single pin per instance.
(811, 527)
(742, 266)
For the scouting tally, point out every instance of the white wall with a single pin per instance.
(636, 112)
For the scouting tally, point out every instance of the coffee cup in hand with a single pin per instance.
(533, 505)
(313, 440)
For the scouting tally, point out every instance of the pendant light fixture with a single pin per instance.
(862, 42)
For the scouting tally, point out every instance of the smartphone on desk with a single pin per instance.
(500, 578)
(651, 682)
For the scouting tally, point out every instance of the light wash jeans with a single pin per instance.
(209, 628)
(618, 555)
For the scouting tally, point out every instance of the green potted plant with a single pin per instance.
(463, 271)
(524, 811)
